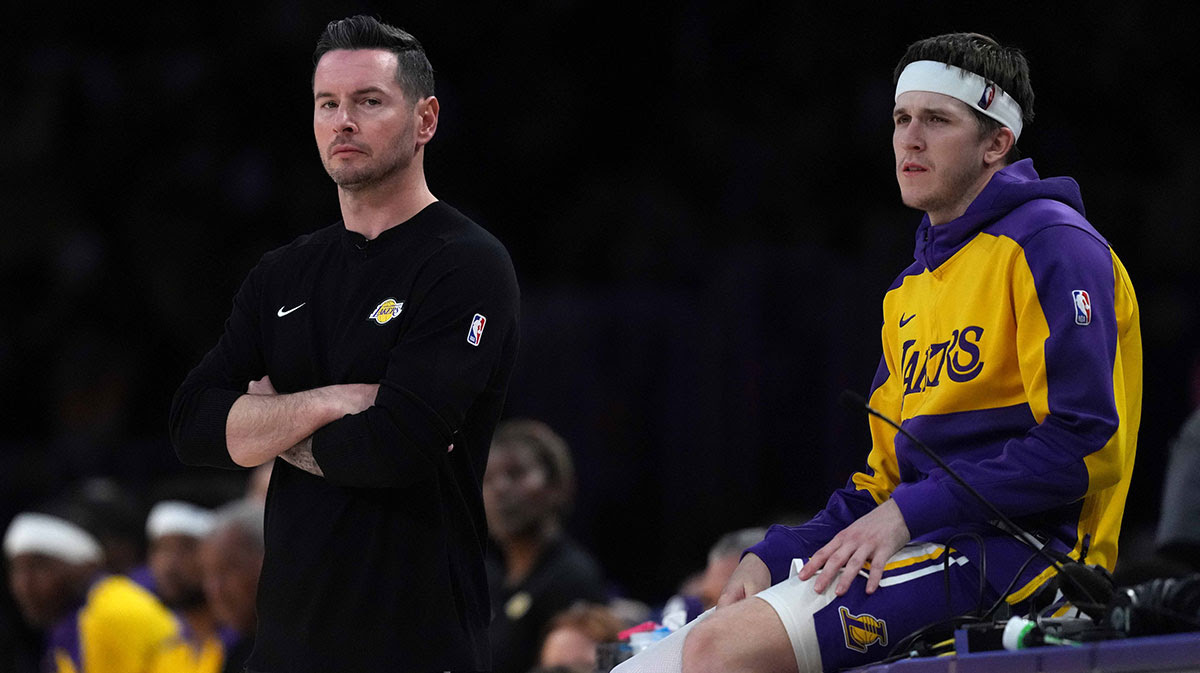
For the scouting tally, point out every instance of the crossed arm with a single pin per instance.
(264, 424)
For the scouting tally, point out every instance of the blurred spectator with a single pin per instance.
(87, 616)
(723, 558)
(231, 560)
(535, 571)
(1176, 548)
(1179, 525)
(573, 635)
(175, 529)
(701, 592)
(631, 611)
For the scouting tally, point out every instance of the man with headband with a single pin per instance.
(93, 622)
(175, 530)
(1011, 346)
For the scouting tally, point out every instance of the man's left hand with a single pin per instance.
(873, 538)
(262, 386)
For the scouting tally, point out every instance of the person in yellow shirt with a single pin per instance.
(228, 560)
(175, 530)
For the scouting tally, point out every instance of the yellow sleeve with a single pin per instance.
(123, 628)
(183, 657)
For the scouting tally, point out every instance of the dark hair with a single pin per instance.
(413, 71)
(1006, 67)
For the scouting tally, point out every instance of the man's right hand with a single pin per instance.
(356, 397)
(750, 577)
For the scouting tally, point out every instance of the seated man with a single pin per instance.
(231, 557)
(174, 530)
(94, 623)
(1011, 346)
(702, 592)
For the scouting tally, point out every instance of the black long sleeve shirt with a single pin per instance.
(378, 566)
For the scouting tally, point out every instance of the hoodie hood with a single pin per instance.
(1010, 187)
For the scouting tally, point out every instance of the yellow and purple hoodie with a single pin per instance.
(1011, 347)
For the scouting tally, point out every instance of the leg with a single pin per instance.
(772, 631)
(746, 636)
(858, 629)
(790, 627)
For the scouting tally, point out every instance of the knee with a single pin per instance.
(704, 651)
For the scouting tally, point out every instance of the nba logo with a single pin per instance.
(476, 332)
(989, 94)
(1083, 307)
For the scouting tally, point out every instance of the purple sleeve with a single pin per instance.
(1068, 377)
(784, 543)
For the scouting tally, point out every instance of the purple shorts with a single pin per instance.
(828, 632)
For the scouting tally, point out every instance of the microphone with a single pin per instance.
(1084, 582)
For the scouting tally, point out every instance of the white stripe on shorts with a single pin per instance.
(927, 570)
(796, 602)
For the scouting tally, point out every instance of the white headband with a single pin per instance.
(172, 517)
(35, 533)
(978, 93)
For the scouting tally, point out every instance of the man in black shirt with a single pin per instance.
(372, 357)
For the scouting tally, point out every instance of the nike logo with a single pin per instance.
(282, 312)
(903, 321)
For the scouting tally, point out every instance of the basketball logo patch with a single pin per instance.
(475, 334)
(862, 631)
(1083, 307)
(388, 308)
(988, 95)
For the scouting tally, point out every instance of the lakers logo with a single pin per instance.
(959, 357)
(388, 308)
(862, 631)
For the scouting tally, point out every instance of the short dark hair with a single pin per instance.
(414, 74)
(1006, 67)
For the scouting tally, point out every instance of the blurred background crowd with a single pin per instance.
(698, 198)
